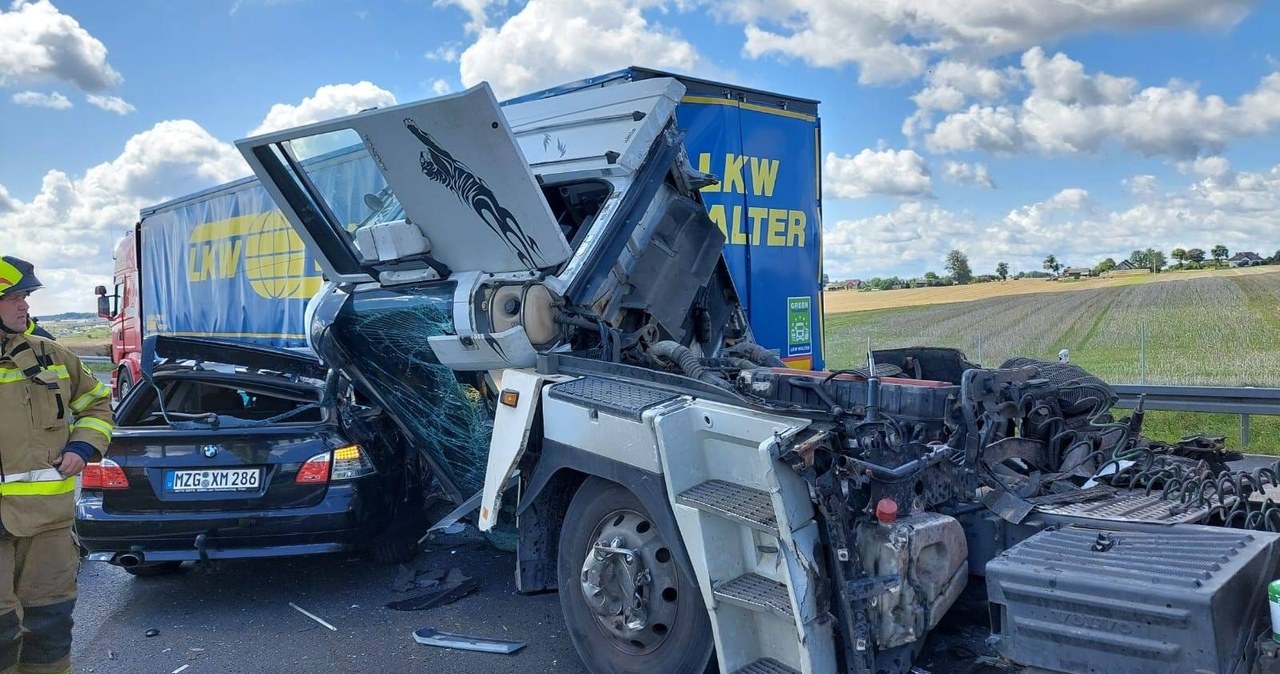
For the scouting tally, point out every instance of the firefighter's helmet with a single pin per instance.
(17, 275)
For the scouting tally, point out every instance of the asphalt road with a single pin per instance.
(238, 615)
(235, 617)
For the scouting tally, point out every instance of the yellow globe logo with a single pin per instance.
(275, 260)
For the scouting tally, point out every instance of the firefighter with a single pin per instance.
(33, 328)
(55, 415)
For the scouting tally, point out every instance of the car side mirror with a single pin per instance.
(104, 307)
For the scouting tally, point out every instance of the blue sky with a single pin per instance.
(1081, 128)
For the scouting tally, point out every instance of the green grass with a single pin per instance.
(1264, 432)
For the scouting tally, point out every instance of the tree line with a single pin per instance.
(959, 272)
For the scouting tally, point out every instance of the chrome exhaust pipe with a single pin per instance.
(128, 560)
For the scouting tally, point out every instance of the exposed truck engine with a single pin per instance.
(695, 503)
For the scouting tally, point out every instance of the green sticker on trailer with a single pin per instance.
(799, 326)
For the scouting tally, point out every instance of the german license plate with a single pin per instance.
(239, 479)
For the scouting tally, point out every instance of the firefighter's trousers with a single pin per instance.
(37, 595)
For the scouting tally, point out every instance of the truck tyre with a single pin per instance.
(661, 625)
(124, 382)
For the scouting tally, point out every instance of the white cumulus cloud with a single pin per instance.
(39, 43)
(7, 203)
(448, 53)
(995, 129)
(329, 101)
(909, 240)
(965, 174)
(1239, 209)
(549, 42)
(441, 87)
(69, 229)
(1070, 111)
(477, 11)
(1141, 186)
(35, 99)
(111, 104)
(897, 39)
(901, 173)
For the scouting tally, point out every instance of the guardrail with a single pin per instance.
(95, 359)
(1242, 400)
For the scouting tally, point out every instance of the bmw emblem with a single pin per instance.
(209, 451)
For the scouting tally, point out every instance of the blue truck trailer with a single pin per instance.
(224, 263)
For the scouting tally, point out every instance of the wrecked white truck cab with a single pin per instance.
(695, 503)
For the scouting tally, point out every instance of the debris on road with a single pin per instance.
(313, 616)
(429, 636)
(180, 669)
(410, 578)
(153, 632)
(446, 594)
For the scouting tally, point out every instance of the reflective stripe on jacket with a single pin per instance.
(47, 399)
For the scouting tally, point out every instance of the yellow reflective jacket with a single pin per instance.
(47, 399)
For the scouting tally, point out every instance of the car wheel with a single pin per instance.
(152, 569)
(627, 606)
(124, 383)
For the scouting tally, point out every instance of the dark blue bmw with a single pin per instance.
(232, 451)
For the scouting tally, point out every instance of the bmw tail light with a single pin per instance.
(351, 462)
(104, 474)
(315, 470)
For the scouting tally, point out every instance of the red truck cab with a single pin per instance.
(123, 308)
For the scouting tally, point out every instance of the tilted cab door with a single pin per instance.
(458, 194)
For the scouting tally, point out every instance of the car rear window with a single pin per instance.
(184, 399)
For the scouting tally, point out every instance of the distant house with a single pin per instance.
(853, 284)
(1245, 259)
(1077, 272)
(1125, 265)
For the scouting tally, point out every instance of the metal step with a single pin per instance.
(765, 666)
(757, 593)
(744, 505)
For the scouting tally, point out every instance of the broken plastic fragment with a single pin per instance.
(429, 636)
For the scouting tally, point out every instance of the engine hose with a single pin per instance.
(756, 354)
(1199, 487)
(1272, 517)
(686, 360)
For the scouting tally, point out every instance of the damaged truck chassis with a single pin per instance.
(695, 503)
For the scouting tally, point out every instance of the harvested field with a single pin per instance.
(842, 301)
(1222, 329)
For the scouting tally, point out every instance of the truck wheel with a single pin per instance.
(124, 382)
(626, 605)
